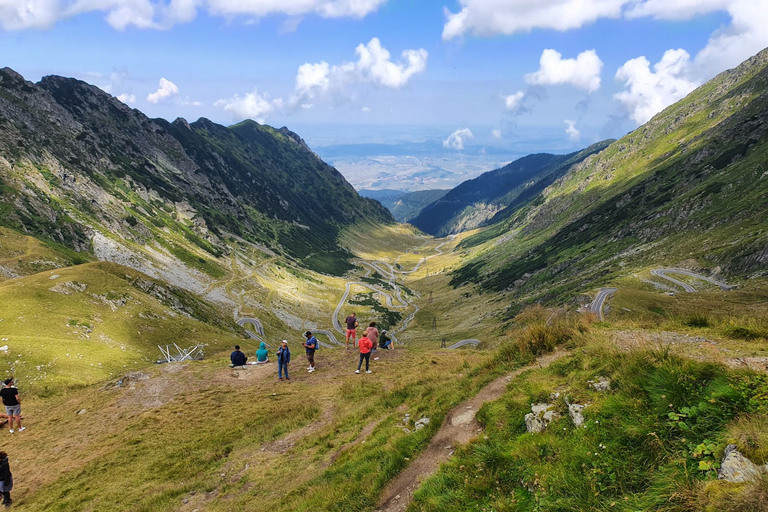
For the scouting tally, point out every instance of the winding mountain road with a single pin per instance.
(602, 295)
(597, 304)
(662, 272)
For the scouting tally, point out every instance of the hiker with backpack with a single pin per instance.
(283, 358)
(311, 344)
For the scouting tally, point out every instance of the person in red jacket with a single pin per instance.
(365, 345)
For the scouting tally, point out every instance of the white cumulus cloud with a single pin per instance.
(573, 133)
(496, 132)
(648, 92)
(582, 72)
(490, 17)
(253, 105)
(374, 65)
(165, 90)
(456, 139)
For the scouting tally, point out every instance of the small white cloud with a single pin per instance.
(573, 133)
(291, 25)
(190, 103)
(164, 91)
(365, 109)
(514, 101)
(582, 72)
(496, 133)
(456, 139)
(307, 106)
(649, 92)
(253, 105)
(374, 64)
(127, 98)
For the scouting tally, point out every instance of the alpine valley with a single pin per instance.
(576, 332)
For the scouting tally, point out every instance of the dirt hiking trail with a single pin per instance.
(459, 427)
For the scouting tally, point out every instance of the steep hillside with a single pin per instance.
(82, 169)
(688, 188)
(496, 193)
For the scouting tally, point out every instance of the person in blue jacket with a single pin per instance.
(283, 358)
(237, 357)
(262, 355)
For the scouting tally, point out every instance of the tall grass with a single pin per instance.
(648, 444)
(538, 330)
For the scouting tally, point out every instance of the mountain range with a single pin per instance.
(84, 170)
(690, 187)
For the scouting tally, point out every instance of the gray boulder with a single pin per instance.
(539, 417)
(737, 468)
(574, 411)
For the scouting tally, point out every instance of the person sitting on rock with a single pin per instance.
(262, 355)
(237, 357)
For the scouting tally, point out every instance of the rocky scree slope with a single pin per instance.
(689, 187)
(494, 195)
(76, 162)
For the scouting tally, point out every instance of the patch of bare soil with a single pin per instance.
(460, 427)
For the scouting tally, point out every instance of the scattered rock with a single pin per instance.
(81, 411)
(423, 422)
(54, 276)
(4, 348)
(68, 288)
(574, 411)
(601, 384)
(540, 417)
(737, 468)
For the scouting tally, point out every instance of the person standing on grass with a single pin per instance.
(6, 480)
(365, 353)
(352, 324)
(372, 333)
(12, 403)
(283, 358)
(311, 345)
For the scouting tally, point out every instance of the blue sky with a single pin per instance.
(473, 73)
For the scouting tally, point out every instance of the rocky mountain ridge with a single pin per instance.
(79, 167)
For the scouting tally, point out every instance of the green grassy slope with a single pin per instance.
(689, 185)
(79, 325)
